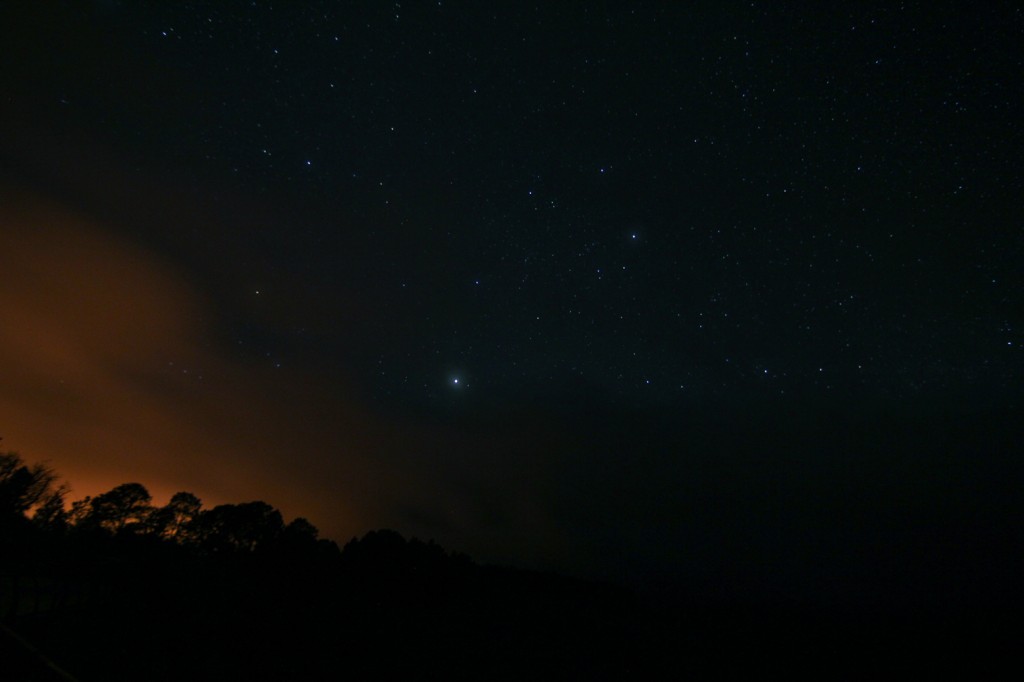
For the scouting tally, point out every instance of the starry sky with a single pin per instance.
(716, 290)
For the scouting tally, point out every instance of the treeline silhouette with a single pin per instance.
(115, 588)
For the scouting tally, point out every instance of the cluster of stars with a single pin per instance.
(760, 237)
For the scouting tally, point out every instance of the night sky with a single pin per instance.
(720, 293)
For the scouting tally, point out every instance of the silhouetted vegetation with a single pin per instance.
(114, 588)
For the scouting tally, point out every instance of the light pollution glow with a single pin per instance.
(113, 370)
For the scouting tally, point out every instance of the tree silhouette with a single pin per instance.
(176, 520)
(246, 527)
(300, 532)
(78, 515)
(124, 509)
(277, 599)
(51, 513)
(22, 486)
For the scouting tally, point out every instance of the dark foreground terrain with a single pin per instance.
(112, 589)
(110, 609)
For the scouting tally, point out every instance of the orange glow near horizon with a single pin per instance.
(113, 370)
(109, 376)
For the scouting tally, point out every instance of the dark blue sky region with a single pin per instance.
(511, 235)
